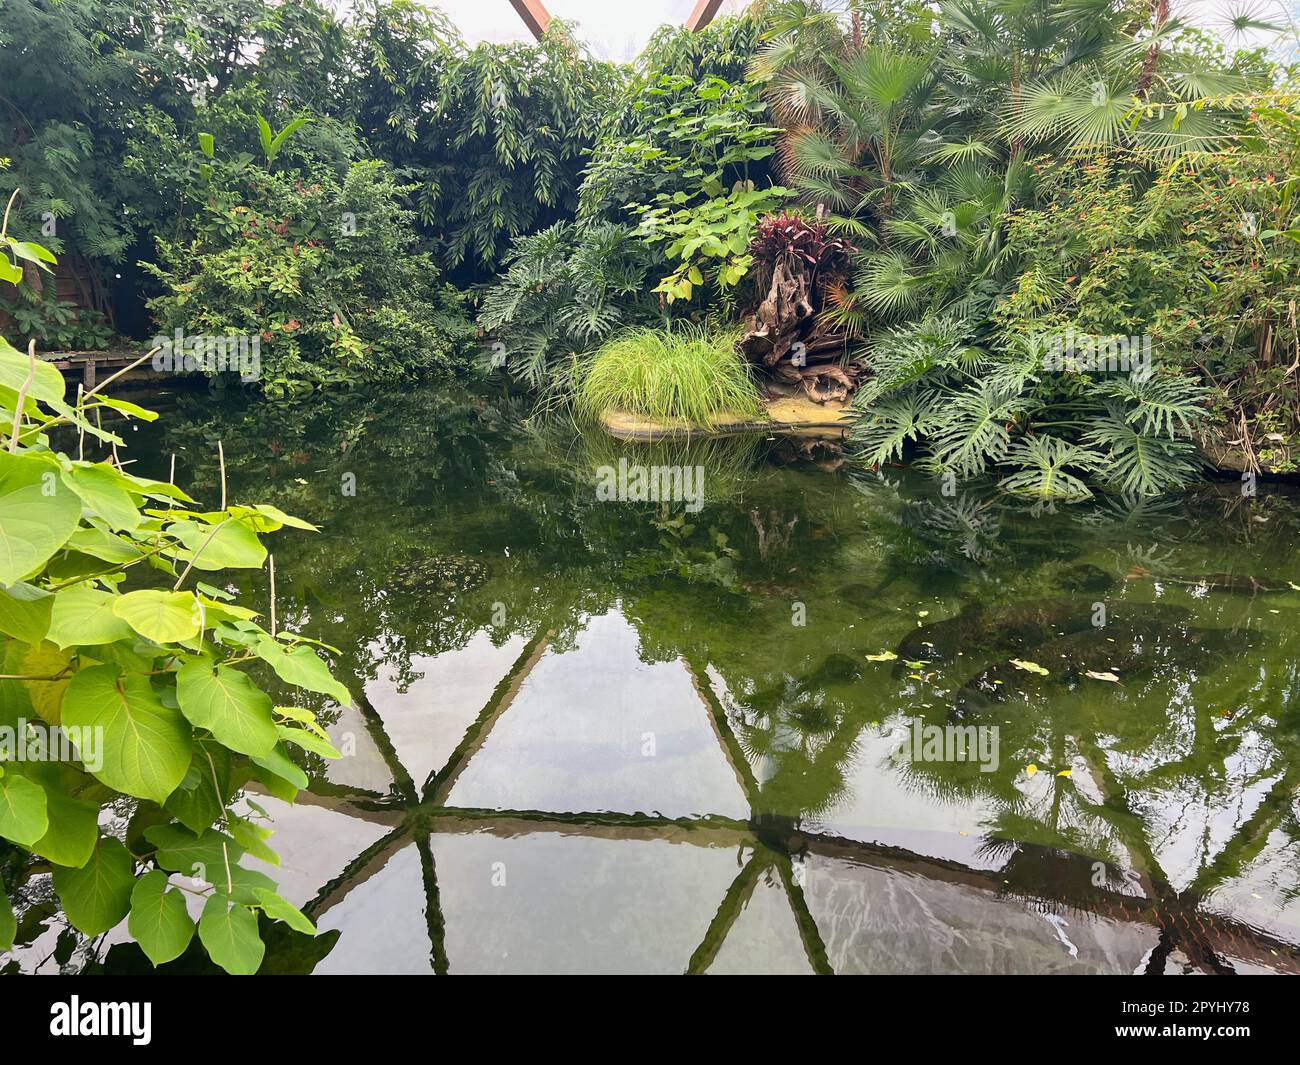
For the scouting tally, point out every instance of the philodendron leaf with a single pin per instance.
(164, 617)
(229, 933)
(83, 617)
(98, 895)
(23, 818)
(38, 513)
(159, 920)
(229, 705)
(145, 745)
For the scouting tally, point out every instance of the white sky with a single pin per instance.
(616, 29)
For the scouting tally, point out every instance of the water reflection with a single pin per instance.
(620, 737)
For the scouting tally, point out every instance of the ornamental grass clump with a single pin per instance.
(685, 373)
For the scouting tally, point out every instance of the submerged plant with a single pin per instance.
(684, 373)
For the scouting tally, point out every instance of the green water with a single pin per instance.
(597, 735)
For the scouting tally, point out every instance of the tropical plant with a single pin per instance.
(494, 139)
(673, 138)
(564, 291)
(709, 241)
(114, 639)
(1047, 430)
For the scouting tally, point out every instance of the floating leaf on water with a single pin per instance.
(884, 656)
(1029, 667)
(1102, 676)
(1066, 773)
(1031, 769)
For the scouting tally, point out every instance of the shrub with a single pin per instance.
(684, 373)
(326, 273)
(564, 292)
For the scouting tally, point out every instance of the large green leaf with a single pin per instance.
(198, 855)
(47, 385)
(98, 895)
(164, 617)
(74, 828)
(83, 617)
(301, 666)
(25, 612)
(229, 932)
(37, 514)
(284, 767)
(282, 909)
(229, 705)
(146, 745)
(159, 921)
(22, 810)
(232, 545)
(202, 795)
(104, 491)
(102, 544)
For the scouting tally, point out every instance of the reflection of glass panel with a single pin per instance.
(879, 920)
(595, 729)
(882, 805)
(429, 719)
(765, 938)
(383, 922)
(315, 845)
(553, 903)
(363, 764)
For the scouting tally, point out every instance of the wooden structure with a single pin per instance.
(538, 19)
(89, 363)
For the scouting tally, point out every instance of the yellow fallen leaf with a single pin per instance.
(923, 613)
(1102, 676)
(1031, 769)
(1029, 667)
(1066, 773)
(884, 656)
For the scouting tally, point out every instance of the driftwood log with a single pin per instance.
(797, 265)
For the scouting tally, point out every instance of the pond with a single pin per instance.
(814, 720)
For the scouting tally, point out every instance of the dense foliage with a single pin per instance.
(119, 638)
(950, 149)
(322, 271)
(1023, 180)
